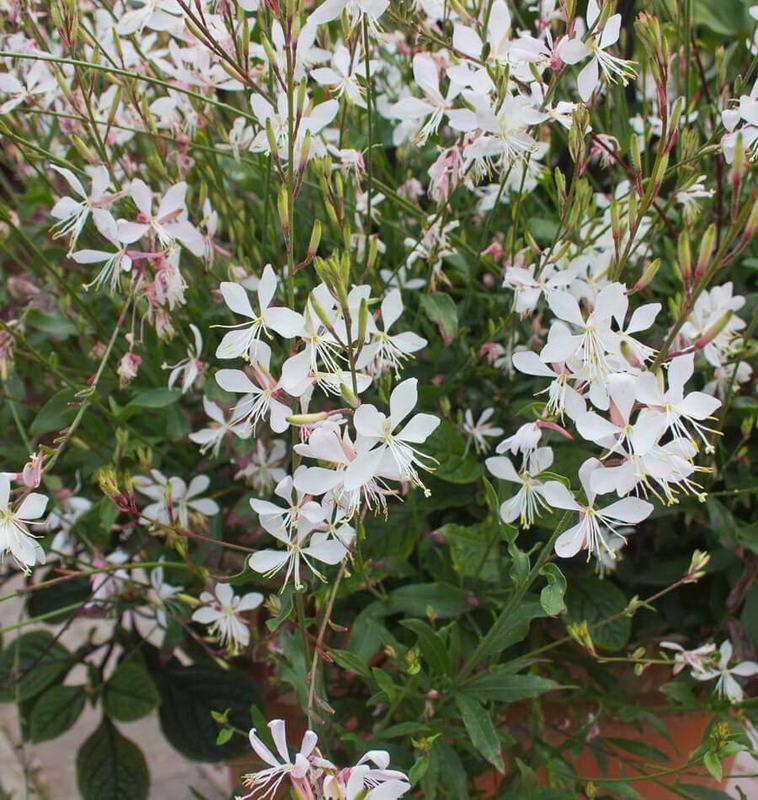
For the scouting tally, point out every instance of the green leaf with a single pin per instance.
(55, 711)
(130, 693)
(696, 792)
(516, 627)
(551, 596)
(593, 601)
(350, 662)
(724, 17)
(638, 748)
(441, 309)
(29, 664)
(504, 687)
(155, 398)
(189, 694)
(449, 448)
(57, 413)
(478, 724)
(54, 324)
(418, 599)
(110, 765)
(713, 765)
(285, 609)
(61, 595)
(473, 549)
(433, 648)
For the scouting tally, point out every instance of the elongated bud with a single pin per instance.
(271, 138)
(84, 150)
(647, 275)
(305, 151)
(615, 221)
(659, 172)
(627, 351)
(283, 208)
(308, 419)
(685, 257)
(634, 155)
(697, 566)
(315, 239)
(373, 252)
(349, 396)
(560, 185)
(363, 321)
(752, 223)
(706, 251)
(319, 309)
(268, 49)
(714, 330)
(632, 212)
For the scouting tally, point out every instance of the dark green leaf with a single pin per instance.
(433, 648)
(188, 695)
(638, 748)
(441, 309)
(551, 596)
(129, 693)
(29, 664)
(478, 724)
(57, 413)
(110, 765)
(593, 601)
(350, 662)
(155, 398)
(55, 711)
(503, 687)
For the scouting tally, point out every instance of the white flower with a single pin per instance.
(529, 501)
(388, 351)
(223, 610)
(72, 213)
(395, 454)
(210, 438)
(342, 76)
(189, 368)
(672, 408)
(169, 223)
(270, 778)
(478, 432)
(15, 537)
(697, 660)
(284, 321)
(589, 533)
(595, 45)
(151, 620)
(356, 9)
(433, 106)
(260, 395)
(727, 686)
(366, 782)
(173, 498)
(113, 263)
(38, 82)
(264, 470)
(158, 15)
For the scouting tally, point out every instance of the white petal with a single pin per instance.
(559, 496)
(501, 467)
(235, 380)
(284, 321)
(32, 507)
(236, 298)
(630, 510)
(419, 429)
(265, 561)
(588, 79)
(403, 400)
(570, 542)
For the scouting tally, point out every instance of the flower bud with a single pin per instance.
(349, 396)
(685, 257)
(714, 330)
(647, 275)
(706, 251)
(315, 239)
(308, 419)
